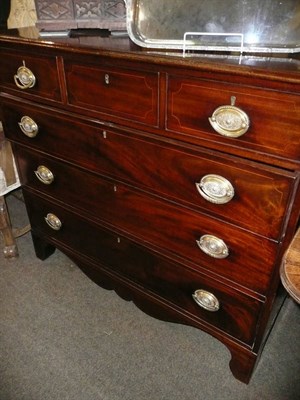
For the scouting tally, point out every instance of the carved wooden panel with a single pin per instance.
(70, 14)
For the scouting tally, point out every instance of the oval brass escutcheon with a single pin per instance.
(213, 246)
(24, 78)
(44, 174)
(215, 189)
(206, 300)
(53, 221)
(28, 126)
(230, 120)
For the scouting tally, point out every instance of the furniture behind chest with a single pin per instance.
(172, 180)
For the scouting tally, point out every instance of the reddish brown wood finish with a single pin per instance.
(153, 221)
(273, 115)
(45, 70)
(261, 193)
(126, 135)
(105, 89)
(166, 279)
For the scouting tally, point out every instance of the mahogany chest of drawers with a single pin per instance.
(173, 181)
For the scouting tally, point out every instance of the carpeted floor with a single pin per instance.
(62, 337)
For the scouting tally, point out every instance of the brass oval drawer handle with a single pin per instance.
(206, 300)
(230, 120)
(24, 78)
(213, 246)
(44, 175)
(28, 126)
(215, 189)
(53, 221)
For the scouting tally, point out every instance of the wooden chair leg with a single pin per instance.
(290, 268)
(10, 246)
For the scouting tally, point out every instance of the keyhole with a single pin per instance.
(106, 79)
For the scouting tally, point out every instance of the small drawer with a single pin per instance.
(182, 233)
(261, 121)
(30, 76)
(196, 179)
(217, 304)
(124, 93)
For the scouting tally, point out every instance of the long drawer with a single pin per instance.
(274, 118)
(30, 76)
(244, 193)
(178, 231)
(237, 314)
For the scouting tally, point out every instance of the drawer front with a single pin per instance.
(125, 93)
(174, 230)
(274, 118)
(237, 314)
(30, 76)
(261, 194)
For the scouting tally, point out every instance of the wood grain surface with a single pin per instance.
(290, 269)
